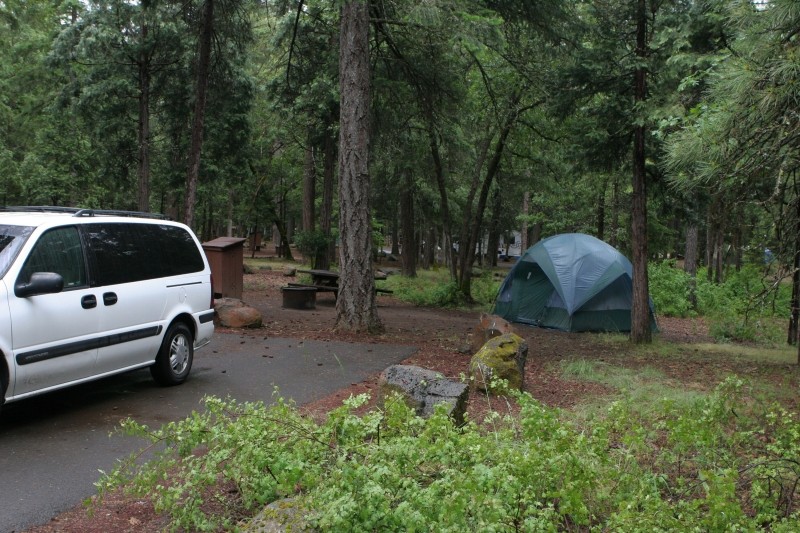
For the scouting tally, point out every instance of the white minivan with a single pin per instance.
(85, 294)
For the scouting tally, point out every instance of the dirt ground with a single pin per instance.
(442, 339)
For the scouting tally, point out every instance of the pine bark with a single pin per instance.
(409, 256)
(355, 305)
(690, 262)
(794, 321)
(526, 207)
(326, 207)
(143, 194)
(309, 188)
(640, 308)
(201, 88)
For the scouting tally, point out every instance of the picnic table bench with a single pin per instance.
(328, 281)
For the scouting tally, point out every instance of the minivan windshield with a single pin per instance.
(11, 240)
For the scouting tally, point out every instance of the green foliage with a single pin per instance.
(311, 244)
(710, 464)
(434, 288)
(484, 289)
(749, 305)
(762, 330)
(427, 293)
(669, 289)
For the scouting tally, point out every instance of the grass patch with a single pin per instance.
(760, 354)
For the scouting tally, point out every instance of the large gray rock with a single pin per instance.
(278, 517)
(424, 389)
(501, 357)
(233, 313)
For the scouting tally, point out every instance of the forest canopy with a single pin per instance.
(667, 129)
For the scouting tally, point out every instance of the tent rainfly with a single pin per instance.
(571, 282)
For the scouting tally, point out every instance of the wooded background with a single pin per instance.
(666, 128)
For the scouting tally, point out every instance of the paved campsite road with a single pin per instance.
(52, 447)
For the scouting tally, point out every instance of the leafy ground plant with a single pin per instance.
(434, 288)
(711, 464)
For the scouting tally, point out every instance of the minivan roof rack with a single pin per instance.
(81, 212)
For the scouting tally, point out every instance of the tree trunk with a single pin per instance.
(143, 195)
(615, 209)
(710, 245)
(355, 304)
(467, 249)
(493, 241)
(309, 187)
(640, 308)
(794, 327)
(409, 257)
(428, 256)
(536, 235)
(447, 246)
(719, 254)
(283, 240)
(690, 262)
(395, 231)
(326, 207)
(526, 206)
(600, 214)
(203, 62)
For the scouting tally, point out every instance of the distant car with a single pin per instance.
(86, 294)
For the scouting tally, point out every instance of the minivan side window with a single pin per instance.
(58, 250)
(129, 252)
(177, 251)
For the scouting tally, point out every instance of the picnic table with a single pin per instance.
(325, 278)
(328, 281)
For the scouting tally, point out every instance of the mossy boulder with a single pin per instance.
(500, 357)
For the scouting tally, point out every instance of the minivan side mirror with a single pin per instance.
(40, 283)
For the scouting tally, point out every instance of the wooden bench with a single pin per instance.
(320, 288)
(334, 290)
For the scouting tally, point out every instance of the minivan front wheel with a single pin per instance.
(174, 359)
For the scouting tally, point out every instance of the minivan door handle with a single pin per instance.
(89, 301)
(109, 298)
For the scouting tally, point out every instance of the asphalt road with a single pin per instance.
(52, 447)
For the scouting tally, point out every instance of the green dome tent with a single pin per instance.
(571, 282)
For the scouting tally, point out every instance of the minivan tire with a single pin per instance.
(174, 359)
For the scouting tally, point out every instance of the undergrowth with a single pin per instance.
(751, 305)
(715, 463)
(434, 288)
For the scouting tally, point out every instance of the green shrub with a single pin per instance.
(484, 289)
(434, 288)
(709, 465)
(744, 292)
(764, 331)
(747, 292)
(669, 289)
(426, 292)
(312, 244)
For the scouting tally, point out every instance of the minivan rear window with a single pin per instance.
(129, 252)
(11, 240)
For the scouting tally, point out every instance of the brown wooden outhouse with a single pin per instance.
(226, 258)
